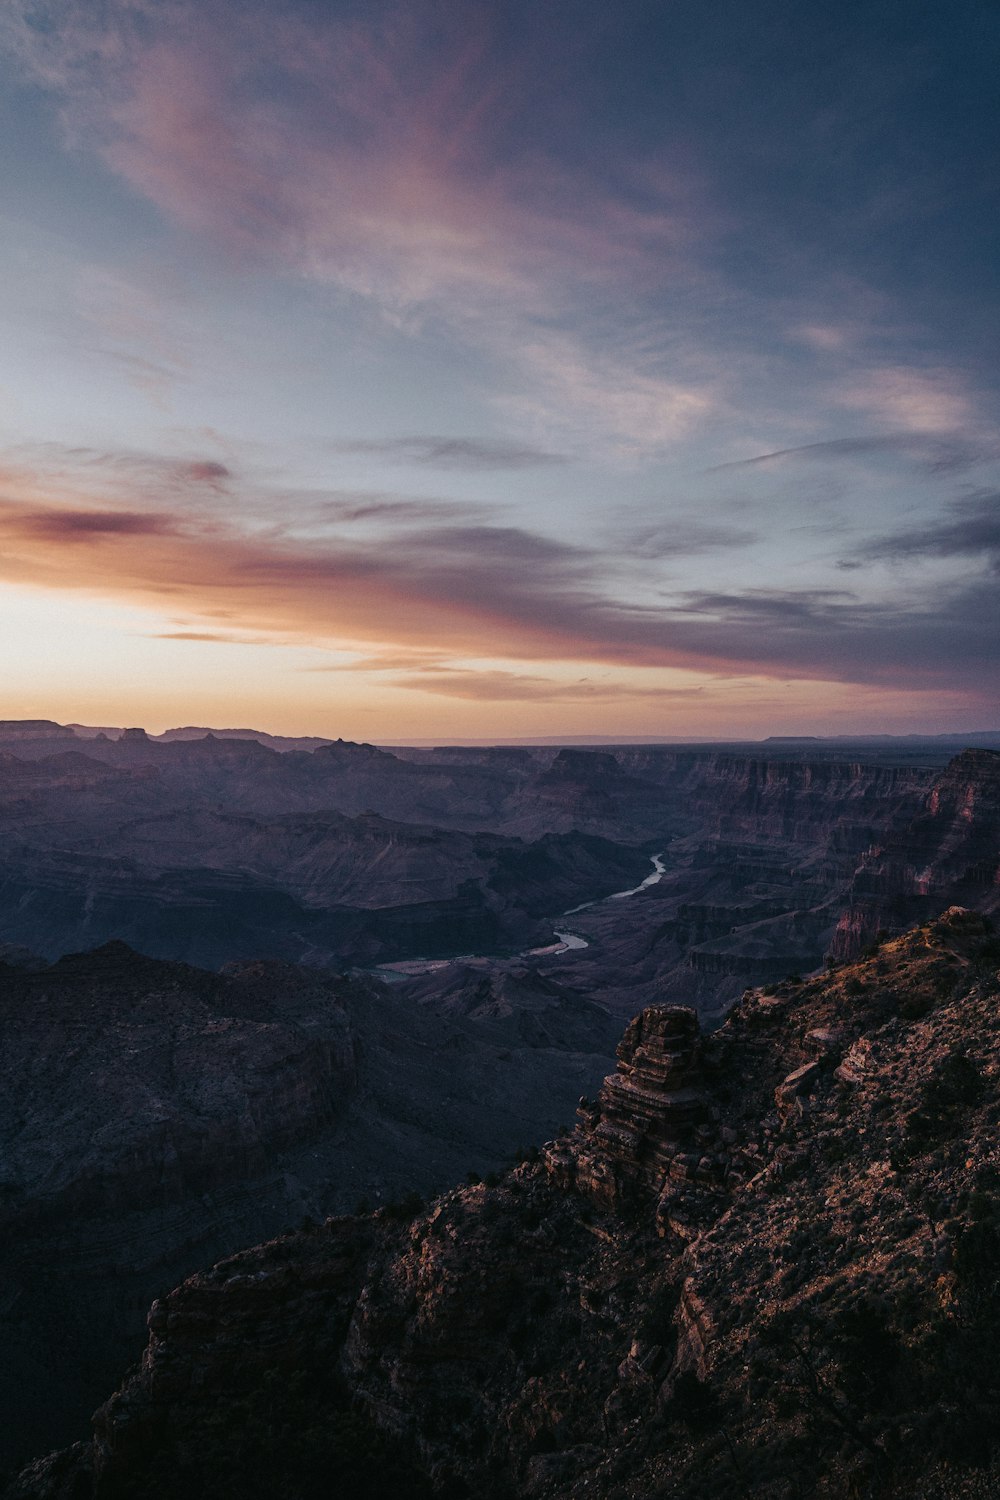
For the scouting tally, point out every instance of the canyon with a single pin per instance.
(764, 1263)
(214, 849)
(244, 987)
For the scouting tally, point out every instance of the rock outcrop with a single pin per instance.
(823, 1320)
(948, 852)
(646, 1133)
(26, 731)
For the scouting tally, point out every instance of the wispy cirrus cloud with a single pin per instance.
(575, 390)
(433, 596)
(970, 529)
(129, 326)
(944, 453)
(382, 507)
(83, 526)
(386, 661)
(679, 537)
(774, 605)
(917, 400)
(200, 483)
(214, 637)
(387, 157)
(123, 469)
(521, 687)
(946, 637)
(204, 471)
(472, 454)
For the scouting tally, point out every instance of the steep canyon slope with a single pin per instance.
(950, 851)
(218, 851)
(155, 1116)
(764, 1264)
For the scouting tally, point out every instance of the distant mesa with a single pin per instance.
(96, 731)
(272, 741)
(45, 729)
(39, 731)
(34, 729)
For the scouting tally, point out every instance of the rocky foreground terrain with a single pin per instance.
(763, 1264)
(155, 1116)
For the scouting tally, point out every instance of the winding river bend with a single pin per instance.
(566, 941)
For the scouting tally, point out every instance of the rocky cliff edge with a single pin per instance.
(764, 1264)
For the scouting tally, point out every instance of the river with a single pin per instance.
(566, 942)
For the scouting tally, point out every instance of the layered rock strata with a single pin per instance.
(949, 851)
(212, 849)
(827, 1326)
(652, 1125)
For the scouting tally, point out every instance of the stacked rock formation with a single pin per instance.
(830, 1329)
(651, 1130)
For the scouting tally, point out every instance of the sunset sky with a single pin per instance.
(456, 369)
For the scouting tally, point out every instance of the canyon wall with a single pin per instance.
(949, 850)
(765, 1258)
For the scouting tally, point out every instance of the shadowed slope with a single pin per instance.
(764, 1262)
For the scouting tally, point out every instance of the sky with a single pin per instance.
(447, 369)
